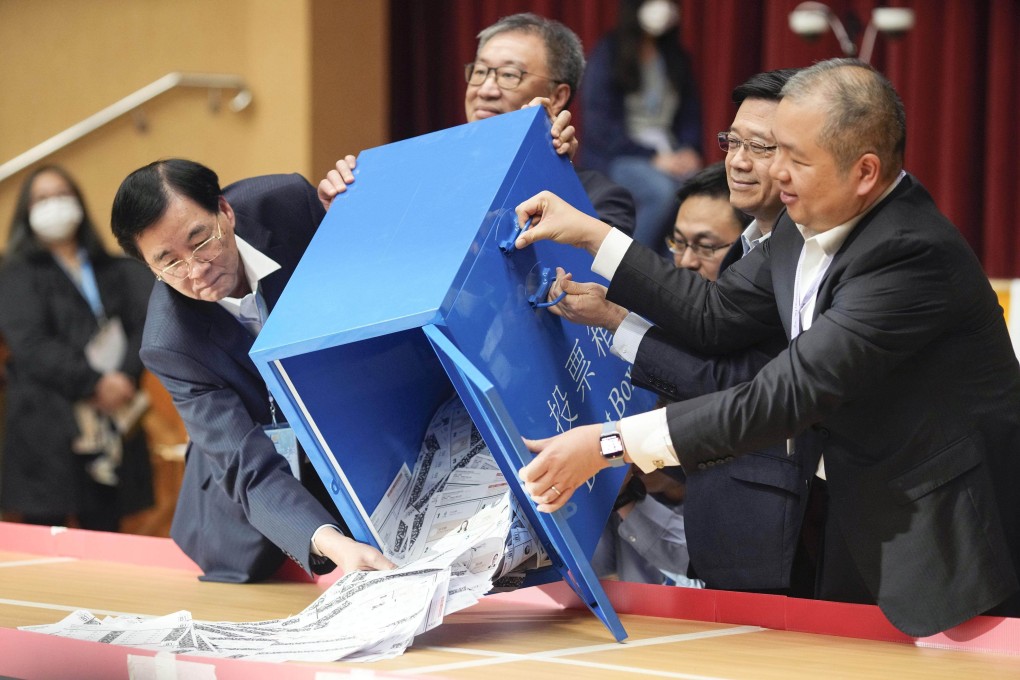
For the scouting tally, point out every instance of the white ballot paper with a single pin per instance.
(451, 526)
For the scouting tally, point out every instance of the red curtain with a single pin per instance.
(957, 71)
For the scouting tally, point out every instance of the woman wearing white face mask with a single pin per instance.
(72, 316)
(641, 113)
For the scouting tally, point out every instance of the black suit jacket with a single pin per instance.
(240, 509)
(47, 323)
(613, 204)
(742, 521)
(908, 378)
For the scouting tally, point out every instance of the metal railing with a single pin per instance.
(214, 82)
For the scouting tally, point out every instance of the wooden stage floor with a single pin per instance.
(537, 633)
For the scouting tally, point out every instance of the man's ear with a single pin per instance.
(559, 97)
(868, 171)
(228, 212)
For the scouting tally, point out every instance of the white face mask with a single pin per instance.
(55, 219)
(658, 16)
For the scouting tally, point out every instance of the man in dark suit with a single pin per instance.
(223, 258)
(521, 59)
(899, 377)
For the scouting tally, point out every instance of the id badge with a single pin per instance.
(285, 441)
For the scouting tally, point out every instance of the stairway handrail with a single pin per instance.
(211, 81)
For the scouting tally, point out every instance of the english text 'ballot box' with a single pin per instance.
(411, 291)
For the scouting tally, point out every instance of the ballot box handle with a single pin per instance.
(509, 244)
(545, 282)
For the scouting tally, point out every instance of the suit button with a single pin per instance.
(701, 466)
(728, 459)
(710, 463)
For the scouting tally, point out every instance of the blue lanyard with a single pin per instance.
(89, 288)
(86, 285)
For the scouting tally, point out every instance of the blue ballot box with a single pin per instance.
(411, 290)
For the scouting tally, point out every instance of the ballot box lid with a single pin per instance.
(504, 441)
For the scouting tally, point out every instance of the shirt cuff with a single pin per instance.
(646, 440)
(611, 253)
(628, 337)
(315, 548)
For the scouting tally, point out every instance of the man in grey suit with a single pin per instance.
(899, 377)
(222, 259)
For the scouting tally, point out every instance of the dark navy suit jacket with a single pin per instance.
(240, 510)
(742, 521)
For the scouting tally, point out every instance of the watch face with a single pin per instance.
(612, 446)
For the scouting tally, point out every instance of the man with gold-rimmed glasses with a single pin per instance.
(249, 497)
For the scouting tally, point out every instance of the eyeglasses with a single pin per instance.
(507, 77)
(700, 250)
(731, 144)
(206, 251)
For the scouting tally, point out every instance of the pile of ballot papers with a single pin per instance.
(451, 526)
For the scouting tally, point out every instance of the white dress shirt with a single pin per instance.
(250, 310)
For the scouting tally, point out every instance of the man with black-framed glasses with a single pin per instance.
(249, 497)
(741, 521)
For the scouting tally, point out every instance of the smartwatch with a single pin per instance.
(611, 444)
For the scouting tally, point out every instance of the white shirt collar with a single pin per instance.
(256, 267)
(752, 237)
(831, 240)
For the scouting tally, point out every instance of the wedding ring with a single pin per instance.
(558, 492)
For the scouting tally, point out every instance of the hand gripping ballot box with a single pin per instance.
(411, 291)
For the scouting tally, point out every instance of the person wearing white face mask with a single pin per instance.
(72, 316)
(641, 113)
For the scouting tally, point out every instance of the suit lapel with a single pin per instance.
(784, 247)
(862, 238)
(226, 333)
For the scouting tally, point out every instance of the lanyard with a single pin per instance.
(86, 283)
(89, 287)
(812, 291)
(272, 408)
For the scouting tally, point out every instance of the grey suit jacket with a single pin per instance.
(240, 510)
(906, 376)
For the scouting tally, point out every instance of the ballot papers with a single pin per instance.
(364, 616)
(452, 527)
(454, 478)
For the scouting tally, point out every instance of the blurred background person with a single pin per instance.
(72, 316)
(641, 113)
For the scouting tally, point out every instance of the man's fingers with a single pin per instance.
(380, 563)
(571, 287)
